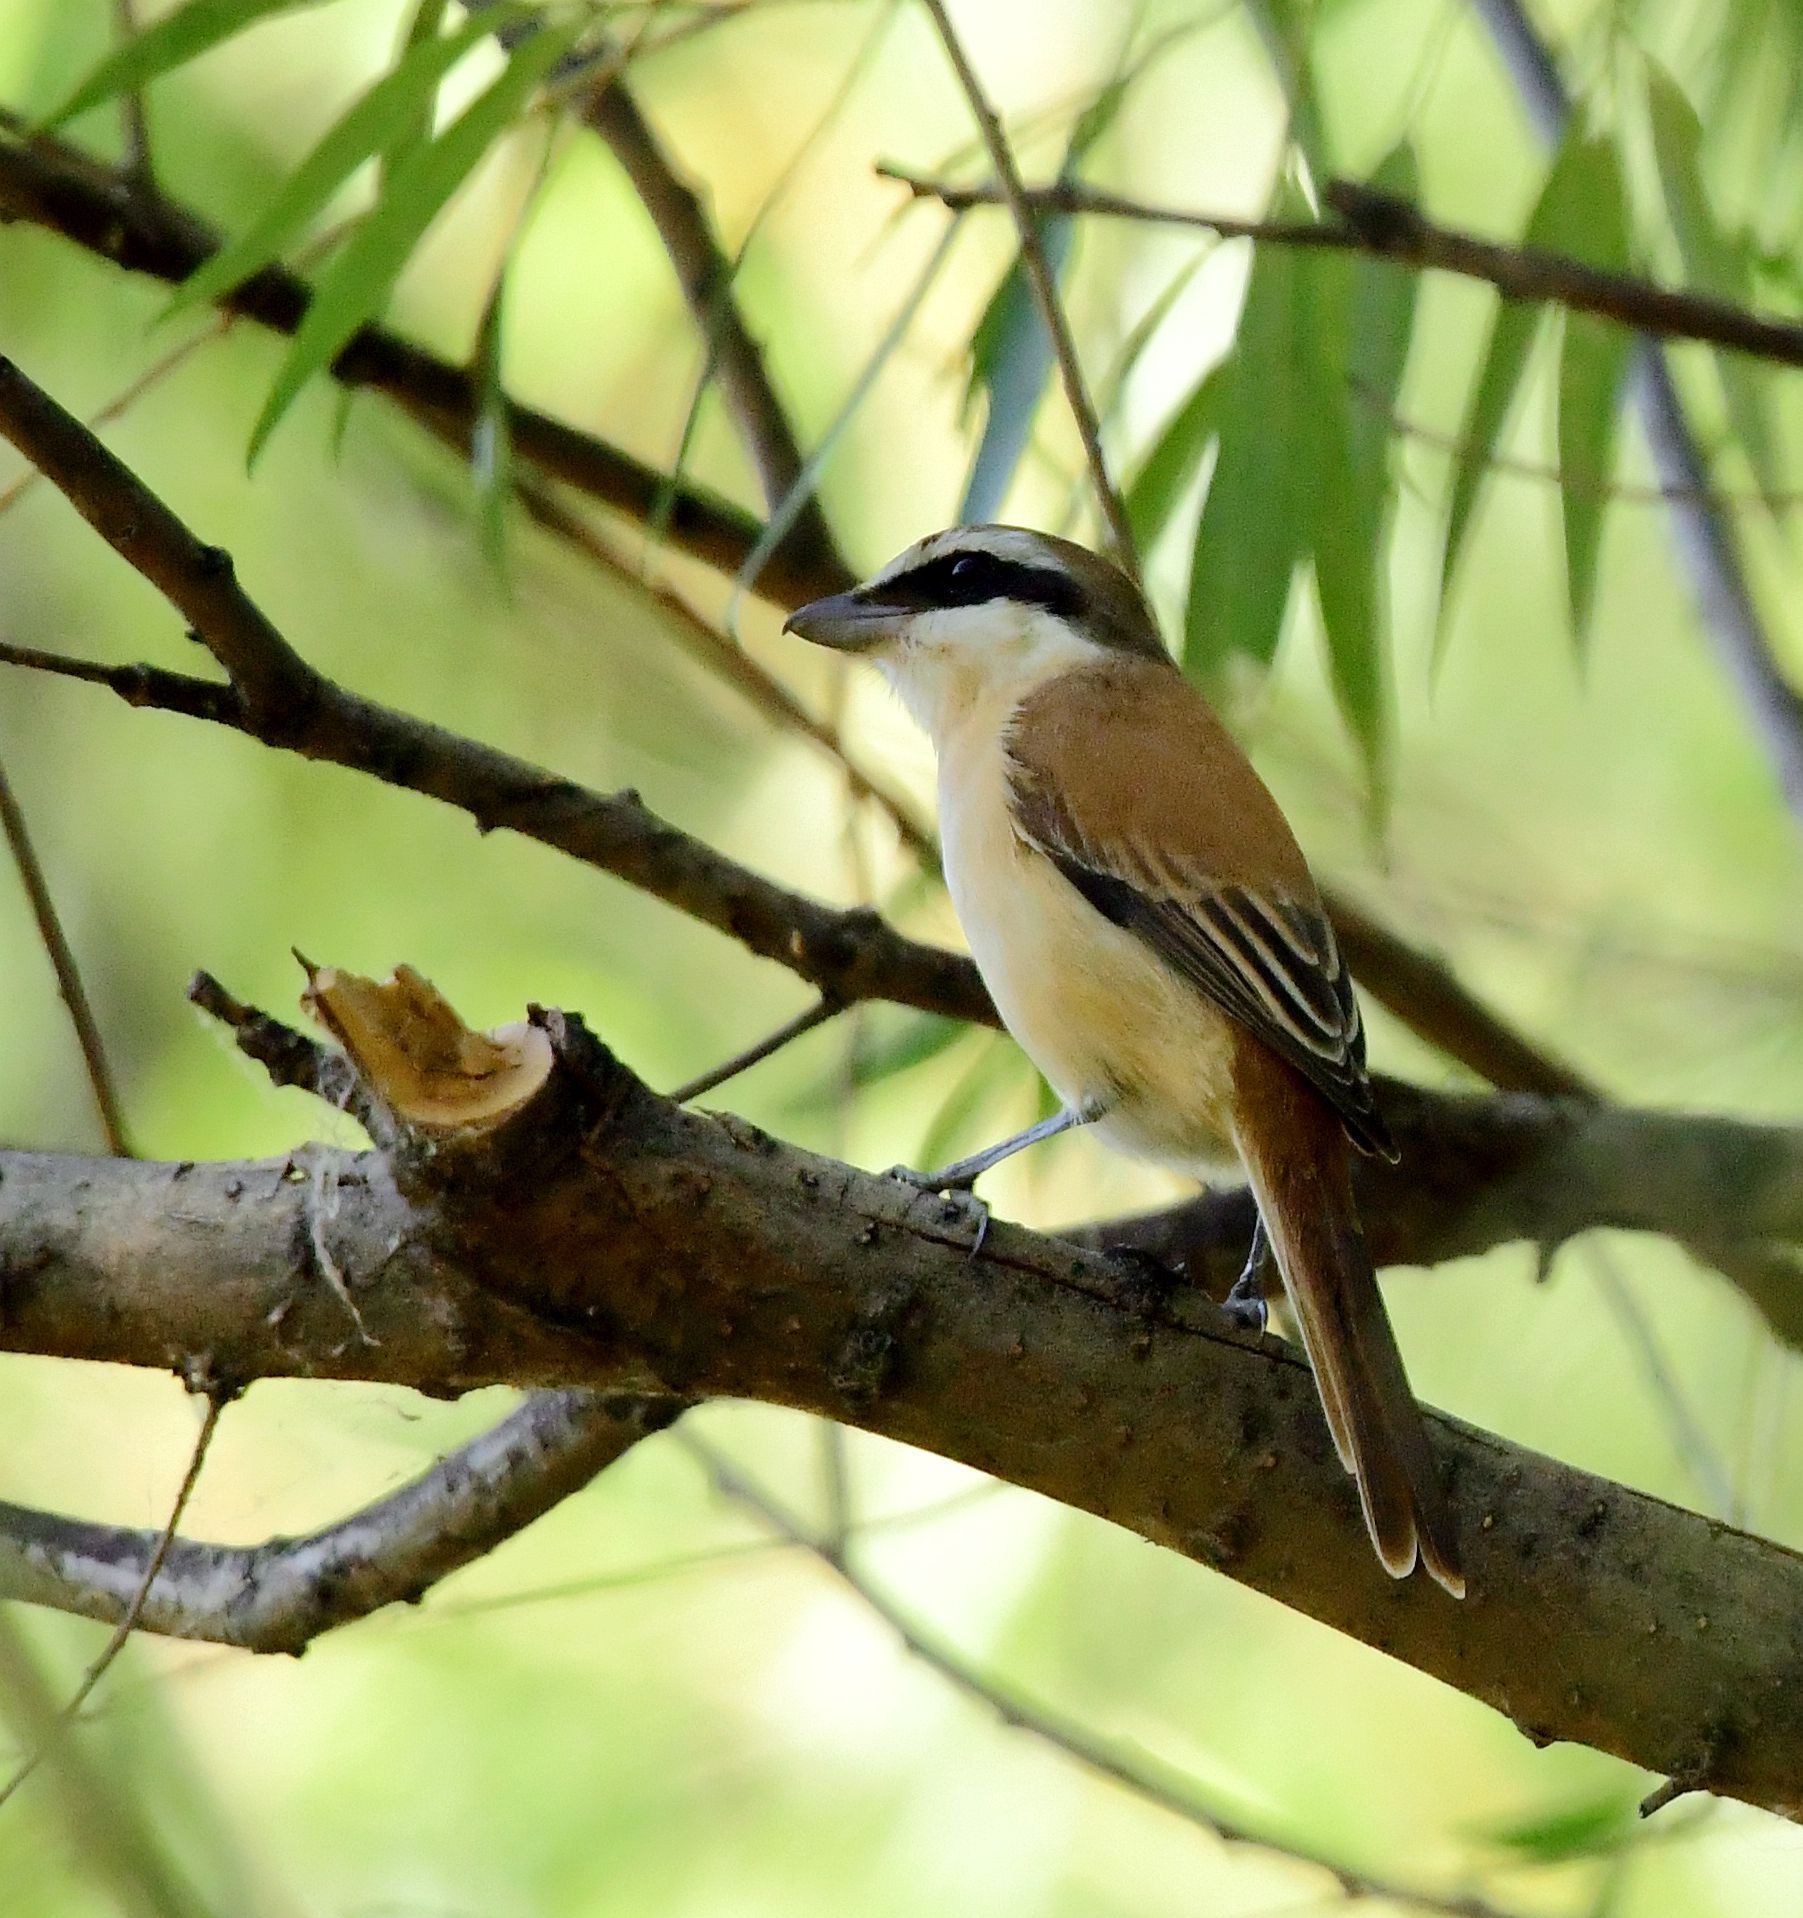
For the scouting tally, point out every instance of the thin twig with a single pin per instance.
(705, 277)
(1044, 289)
(1179, 1798)
(816, 1015)
(1395, 229)
(1695, 1449)
(1570, 479)
(133, 1612)
(68, 973)
(731, 663)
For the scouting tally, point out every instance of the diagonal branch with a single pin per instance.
(279, 1596)
(706, 278)
(1044, 288)
(48, 183)
(68, 973)
(850, 956)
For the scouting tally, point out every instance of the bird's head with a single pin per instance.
(982, 612)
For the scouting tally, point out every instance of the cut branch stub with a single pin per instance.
(433, 1073)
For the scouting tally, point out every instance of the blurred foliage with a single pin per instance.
(641, 1706)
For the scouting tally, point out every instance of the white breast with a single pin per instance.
(1097, 1012)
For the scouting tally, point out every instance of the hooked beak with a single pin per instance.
(847, 622)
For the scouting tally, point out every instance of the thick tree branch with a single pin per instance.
(603, 1239)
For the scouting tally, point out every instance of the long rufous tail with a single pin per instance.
(1298, 1160)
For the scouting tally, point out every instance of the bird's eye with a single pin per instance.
(968, 567)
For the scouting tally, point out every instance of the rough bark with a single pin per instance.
(604, 1239)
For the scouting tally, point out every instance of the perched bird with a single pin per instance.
(1151, 935)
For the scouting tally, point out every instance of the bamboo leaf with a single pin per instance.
(1591, 364)
(360, 133)
(1010, 361)
(1565, 219)
(363, 275)
(1173, 460)
(171, 42)
(1254, 523)
(1353, 485)
(1713, 262)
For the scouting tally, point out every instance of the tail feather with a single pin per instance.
(1297, 1158)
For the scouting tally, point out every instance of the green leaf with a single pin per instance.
(173, 41)
(917, 1038)
(416, 128)
(363, 275)
(1566, 1832)
(1172, 462)
(1572, 212)
(1712, 262)
(1592, 361)
(390, 105)
(1353, 486)
(1254, 525)
(1010, 361)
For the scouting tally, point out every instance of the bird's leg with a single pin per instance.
(962, 1174)
(956, 1179)
(1245, 1301)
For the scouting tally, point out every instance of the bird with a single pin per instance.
(1151, 936)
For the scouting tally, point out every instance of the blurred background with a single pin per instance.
(645, 1704)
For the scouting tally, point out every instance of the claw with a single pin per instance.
(958, 1200)
(1245, 1300)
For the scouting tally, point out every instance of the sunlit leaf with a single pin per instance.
(394, 102)
(363, 275)
(416, 127)
(1591, 364)
(1353, 484)
(170, 42)
(1254, 525)
(1570, 216)
(1174, 459)
(1713, 262)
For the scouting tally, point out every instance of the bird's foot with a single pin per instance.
(958, 1203)
(1244, 1304)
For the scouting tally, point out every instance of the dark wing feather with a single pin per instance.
(1271, 963)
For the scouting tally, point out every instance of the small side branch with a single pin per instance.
(280, 1596)
(68, 974)
(1395, 229)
